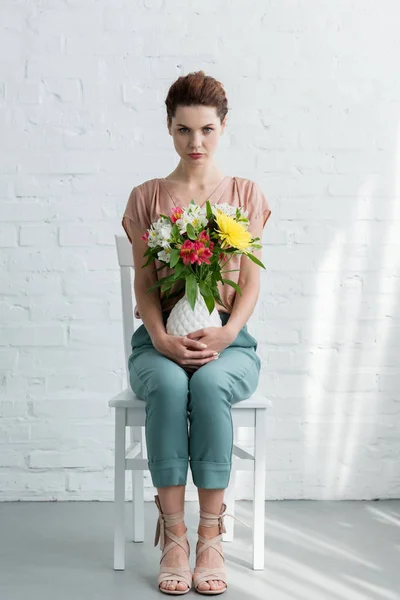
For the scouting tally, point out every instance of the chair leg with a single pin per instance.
(119, 489)
(259, 488)
(137, 496)
(230, 505)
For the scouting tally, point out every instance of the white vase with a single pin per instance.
(183, 319)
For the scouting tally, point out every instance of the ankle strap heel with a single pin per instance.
(171, 573)
(210, 520)
(203, 574)
(165, 521)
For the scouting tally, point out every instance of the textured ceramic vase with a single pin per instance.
(183, 319)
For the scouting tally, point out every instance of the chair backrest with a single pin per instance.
(126, 266)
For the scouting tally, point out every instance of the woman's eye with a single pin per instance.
(182, 129)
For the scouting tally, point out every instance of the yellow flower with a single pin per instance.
(232, 233)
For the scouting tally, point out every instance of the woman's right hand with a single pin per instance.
(189, 354)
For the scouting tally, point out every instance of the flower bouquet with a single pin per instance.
(197, 243)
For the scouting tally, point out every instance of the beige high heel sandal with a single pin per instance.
(171, 573)
(203, 574)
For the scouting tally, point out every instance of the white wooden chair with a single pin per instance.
(130, 412)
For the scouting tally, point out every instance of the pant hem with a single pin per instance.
(169, 472)
(210, 475)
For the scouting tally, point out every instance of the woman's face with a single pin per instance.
(196, 129)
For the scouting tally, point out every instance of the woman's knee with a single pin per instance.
(208, 391)
(155, 375)
(168, 393)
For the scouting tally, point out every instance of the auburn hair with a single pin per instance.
(196, 88)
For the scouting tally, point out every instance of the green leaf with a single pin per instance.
(218, 276)
(218, 297)
(209, 212)
(207, 295)
(180, 271)
(233, 284)
(166, 286)
(177, 292)
(191, 290)
(148, 262)
(190, 231)
(255, 260)
(158, 283)
(174, 257)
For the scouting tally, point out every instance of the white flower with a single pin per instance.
(195, 216)
(160, 233)
(229, 210)
(195, 209)
(152, 241)
(165, 255)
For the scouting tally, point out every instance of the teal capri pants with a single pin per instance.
(202, 399)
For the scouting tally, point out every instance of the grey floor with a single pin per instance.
(314, 550)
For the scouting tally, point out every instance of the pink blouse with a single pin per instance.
(157, 196)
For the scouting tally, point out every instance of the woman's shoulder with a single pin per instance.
(147, 186)
(246, 185)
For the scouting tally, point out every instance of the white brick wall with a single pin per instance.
(314, 94)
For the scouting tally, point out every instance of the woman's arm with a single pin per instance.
(148, 304)
(249, 282)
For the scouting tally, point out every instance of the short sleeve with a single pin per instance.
(258, 206)
(135, 212)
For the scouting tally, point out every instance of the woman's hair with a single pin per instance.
(196, 88)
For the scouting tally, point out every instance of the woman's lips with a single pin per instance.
(195, 155)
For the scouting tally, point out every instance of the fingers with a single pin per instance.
(189, 362)
(198, 354)
(188, 343)
(198, 333)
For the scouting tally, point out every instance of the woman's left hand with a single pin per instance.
(216, 338)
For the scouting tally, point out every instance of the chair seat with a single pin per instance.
(127, 399)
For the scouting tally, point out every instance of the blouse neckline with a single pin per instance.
(215, 194)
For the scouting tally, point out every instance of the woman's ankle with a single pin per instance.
(179, 529)
(208, 532)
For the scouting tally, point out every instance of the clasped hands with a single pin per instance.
(196, 349)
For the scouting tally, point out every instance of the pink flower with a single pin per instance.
(176, 213)
(203, 253)
(187, 253)
(195, 252)
(203, 236)
(145, 237)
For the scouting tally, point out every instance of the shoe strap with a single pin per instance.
(209, 543)
(211, 520)
(165, 521)
(176, 574)
(203, 574)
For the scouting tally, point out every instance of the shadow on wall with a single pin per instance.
(350, 408)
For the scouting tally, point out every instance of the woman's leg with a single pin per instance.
(172, 500)
(212, 390)
(210, 501)
(163, 385)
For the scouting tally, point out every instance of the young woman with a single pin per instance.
(180, 377)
